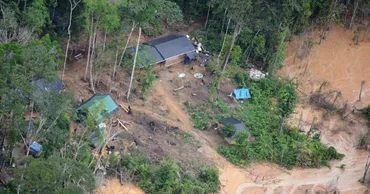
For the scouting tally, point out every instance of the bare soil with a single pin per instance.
(336, 61)
(113, 186)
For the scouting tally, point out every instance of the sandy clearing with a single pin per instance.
(113, 186)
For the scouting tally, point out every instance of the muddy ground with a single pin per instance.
(336, 60)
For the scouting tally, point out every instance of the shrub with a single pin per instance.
(199, 116)
(227, 130)
(288, 148)
(170, 178)
(146, 80)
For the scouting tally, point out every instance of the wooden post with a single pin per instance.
(361, 87)
(362, 180)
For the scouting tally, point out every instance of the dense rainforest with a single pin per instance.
(35, 37)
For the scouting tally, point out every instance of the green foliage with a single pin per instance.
(287, 99)
(235, 53)
(57, 137)
(242, 78)
(199, 116)
(146, 79)
(53, 175)
(277, 58)
(110, 18)
(186, 136)
(169, 178)
(227, 130)
(171, 12)
(221, 106)
(290, 148)
(36, 15)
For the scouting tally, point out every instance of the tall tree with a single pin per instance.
(287, 99)
(354, 12)
(100, 15)
(238, 11)
(134, 65)
(73, 4)
(36, 15)
(123, 51)
(54, 175)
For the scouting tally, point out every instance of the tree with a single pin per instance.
(73, 5)
(238, 11)
(123, 51)
(170, 12)
(287, 99)
(223, 42)
(134, 65)
(227, 130)
(53, 175)
(100, 14)
(278, 56)
(36, 16)
(146, 79)
(354, 12)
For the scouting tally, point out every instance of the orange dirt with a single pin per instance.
(343, 65)
(114, 187)
(269, 178)
(336, 60)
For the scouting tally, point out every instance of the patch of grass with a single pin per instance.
(169, 177)
(288, 148)
(200, 117)
(342, 167)
(186, 137)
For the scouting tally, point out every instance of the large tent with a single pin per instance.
(101, 105)
(162, 49)
(43, 85)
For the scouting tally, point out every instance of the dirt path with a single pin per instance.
(230, 175)
(343, 65)
(269, 178)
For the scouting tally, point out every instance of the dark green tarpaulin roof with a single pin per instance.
(161, 49)
(110, 105)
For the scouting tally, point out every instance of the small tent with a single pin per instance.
(43, 85)
(101, 105)
(35, 148)
(237, 125)
(241, 94)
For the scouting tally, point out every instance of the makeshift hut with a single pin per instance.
(35, 149)
(100, 106)
(43, 85)
(169, 50)
(97, 138)
(236, 124)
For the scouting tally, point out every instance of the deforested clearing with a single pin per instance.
(174, 97)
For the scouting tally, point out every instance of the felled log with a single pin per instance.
(137, 141)
(122, 125)
(123, 107)
(180, 88)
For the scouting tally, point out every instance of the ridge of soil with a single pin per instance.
(166, 107)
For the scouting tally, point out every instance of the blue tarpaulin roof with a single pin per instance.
(36, 147)
(242, 93)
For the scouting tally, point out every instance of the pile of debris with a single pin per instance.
(257, 74)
